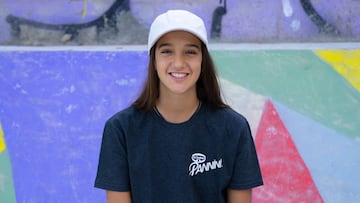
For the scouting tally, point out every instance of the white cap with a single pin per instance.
(174, 20)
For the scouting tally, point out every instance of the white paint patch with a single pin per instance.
(69, 108)
(66, 90)
(122, 82)
(247, 103)
(18, 87)
(125, 82)
(272, 130)
(50, 119)
(295, 25)
(287, 9)
(72, 88)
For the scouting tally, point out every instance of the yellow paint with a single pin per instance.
(83, 15)
(2, 141)
(345, 62)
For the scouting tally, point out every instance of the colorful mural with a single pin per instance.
(345, 62)
(302, 106)
(302, 102)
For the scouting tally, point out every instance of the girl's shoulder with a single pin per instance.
(224, 115)
(129, 114)
(220, 119)
(128, 111)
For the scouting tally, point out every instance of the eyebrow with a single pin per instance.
(187, 45)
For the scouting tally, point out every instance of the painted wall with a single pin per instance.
(302, 106)
(302, 103)
(244, 21)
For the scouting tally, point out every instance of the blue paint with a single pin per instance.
(333, 159)
(53, 107)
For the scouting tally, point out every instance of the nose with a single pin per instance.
(179, 61)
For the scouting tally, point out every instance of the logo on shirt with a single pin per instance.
(199, 164)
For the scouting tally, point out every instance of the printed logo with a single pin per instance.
(199, 166)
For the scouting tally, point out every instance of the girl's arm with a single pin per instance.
(239, 196)
(118, 197)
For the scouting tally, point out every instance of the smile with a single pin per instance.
(179, 75)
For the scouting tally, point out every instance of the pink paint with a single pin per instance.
(286, 177)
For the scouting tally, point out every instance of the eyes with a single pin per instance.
(190, 51)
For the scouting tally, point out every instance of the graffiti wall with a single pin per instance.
(301, 99)
(81, 22)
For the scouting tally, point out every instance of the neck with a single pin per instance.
(177, 108)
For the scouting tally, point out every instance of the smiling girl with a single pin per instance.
(178, 142)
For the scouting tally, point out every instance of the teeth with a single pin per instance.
(178, 75)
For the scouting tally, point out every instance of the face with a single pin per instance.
(178, 59)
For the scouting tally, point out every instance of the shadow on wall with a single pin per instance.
(119, 25)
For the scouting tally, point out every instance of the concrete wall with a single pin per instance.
(245, 21)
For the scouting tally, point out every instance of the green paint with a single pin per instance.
(7, 193)
(298, 79)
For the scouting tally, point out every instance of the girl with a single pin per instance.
(178, 142)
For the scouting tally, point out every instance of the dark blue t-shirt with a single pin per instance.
(194, 162)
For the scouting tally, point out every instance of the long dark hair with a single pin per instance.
(207, 86)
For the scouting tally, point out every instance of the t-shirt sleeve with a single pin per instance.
(113, 173)
(246, 173)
